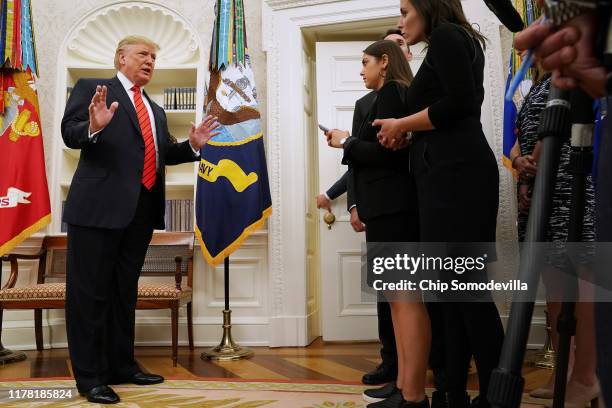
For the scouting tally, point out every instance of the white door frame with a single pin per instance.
(282, 22)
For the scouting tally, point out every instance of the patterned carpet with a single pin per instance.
(197, 393)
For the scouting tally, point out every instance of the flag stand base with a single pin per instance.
(227, 349)
(546, 357)
(9, 356)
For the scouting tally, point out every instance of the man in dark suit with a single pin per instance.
(362, 107)
(115, 201)
(387, 370)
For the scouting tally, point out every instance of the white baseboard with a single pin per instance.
(286, 331)
(289, 331)
(150, 331)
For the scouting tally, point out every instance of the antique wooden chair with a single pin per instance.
(169, 254)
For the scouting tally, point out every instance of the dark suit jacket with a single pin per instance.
(379, 181)
(362, 107)
(339, 187)
(107, 183)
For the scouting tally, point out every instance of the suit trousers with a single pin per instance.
(103, 267)
(471, 329)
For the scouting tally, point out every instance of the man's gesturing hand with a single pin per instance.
(99, 114)
(201, 134)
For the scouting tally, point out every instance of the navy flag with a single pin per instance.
(233, 193)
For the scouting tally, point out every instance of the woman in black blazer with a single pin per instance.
(384, 200)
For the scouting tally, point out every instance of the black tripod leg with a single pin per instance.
(506, 388)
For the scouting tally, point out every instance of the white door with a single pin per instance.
(348, 313)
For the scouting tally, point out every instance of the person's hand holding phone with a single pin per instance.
(336, 137)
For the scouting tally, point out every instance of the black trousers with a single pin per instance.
(386, 335)
(472, 328)
(103, 267)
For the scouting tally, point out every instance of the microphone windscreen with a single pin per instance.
(507, 14)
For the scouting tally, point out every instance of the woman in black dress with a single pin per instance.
(386, 205)
(455, 172)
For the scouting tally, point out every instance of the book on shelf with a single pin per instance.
(179, 215)
(64, 226)
(180, 98)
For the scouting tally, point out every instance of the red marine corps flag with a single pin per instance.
(24, 195)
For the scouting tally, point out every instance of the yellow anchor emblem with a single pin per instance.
(228, 169)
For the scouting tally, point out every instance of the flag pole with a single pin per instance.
(227, 349)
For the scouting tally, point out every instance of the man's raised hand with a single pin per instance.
(99, 114)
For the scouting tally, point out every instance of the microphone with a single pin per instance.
(506, 13)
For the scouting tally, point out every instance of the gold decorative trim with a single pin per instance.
(18, 239)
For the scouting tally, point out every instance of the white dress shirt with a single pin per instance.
(128, 85)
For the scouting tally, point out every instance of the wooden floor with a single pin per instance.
(319, 361)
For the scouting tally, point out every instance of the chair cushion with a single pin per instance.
(57, 291)
(44, 291)
(154, 290)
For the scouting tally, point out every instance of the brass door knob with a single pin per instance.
(329, 219)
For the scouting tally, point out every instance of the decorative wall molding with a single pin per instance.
(274, 163)
(96, 37)
(506, 230)
(287, 4)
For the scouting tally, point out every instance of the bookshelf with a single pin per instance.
(179, 66)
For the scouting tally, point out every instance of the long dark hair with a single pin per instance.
(398, 69)
(436, 12)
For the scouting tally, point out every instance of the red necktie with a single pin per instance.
(149, 169)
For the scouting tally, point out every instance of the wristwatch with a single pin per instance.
(342, 141)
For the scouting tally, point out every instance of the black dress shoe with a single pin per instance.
(140, 378)
(381, 375)
(480, 402)
(438, 399)
(411, 404)
(397, 401)
(393, 401)
(379, 394)
(102, 394)
(457, 400)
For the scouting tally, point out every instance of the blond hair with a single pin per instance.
(132, 40)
